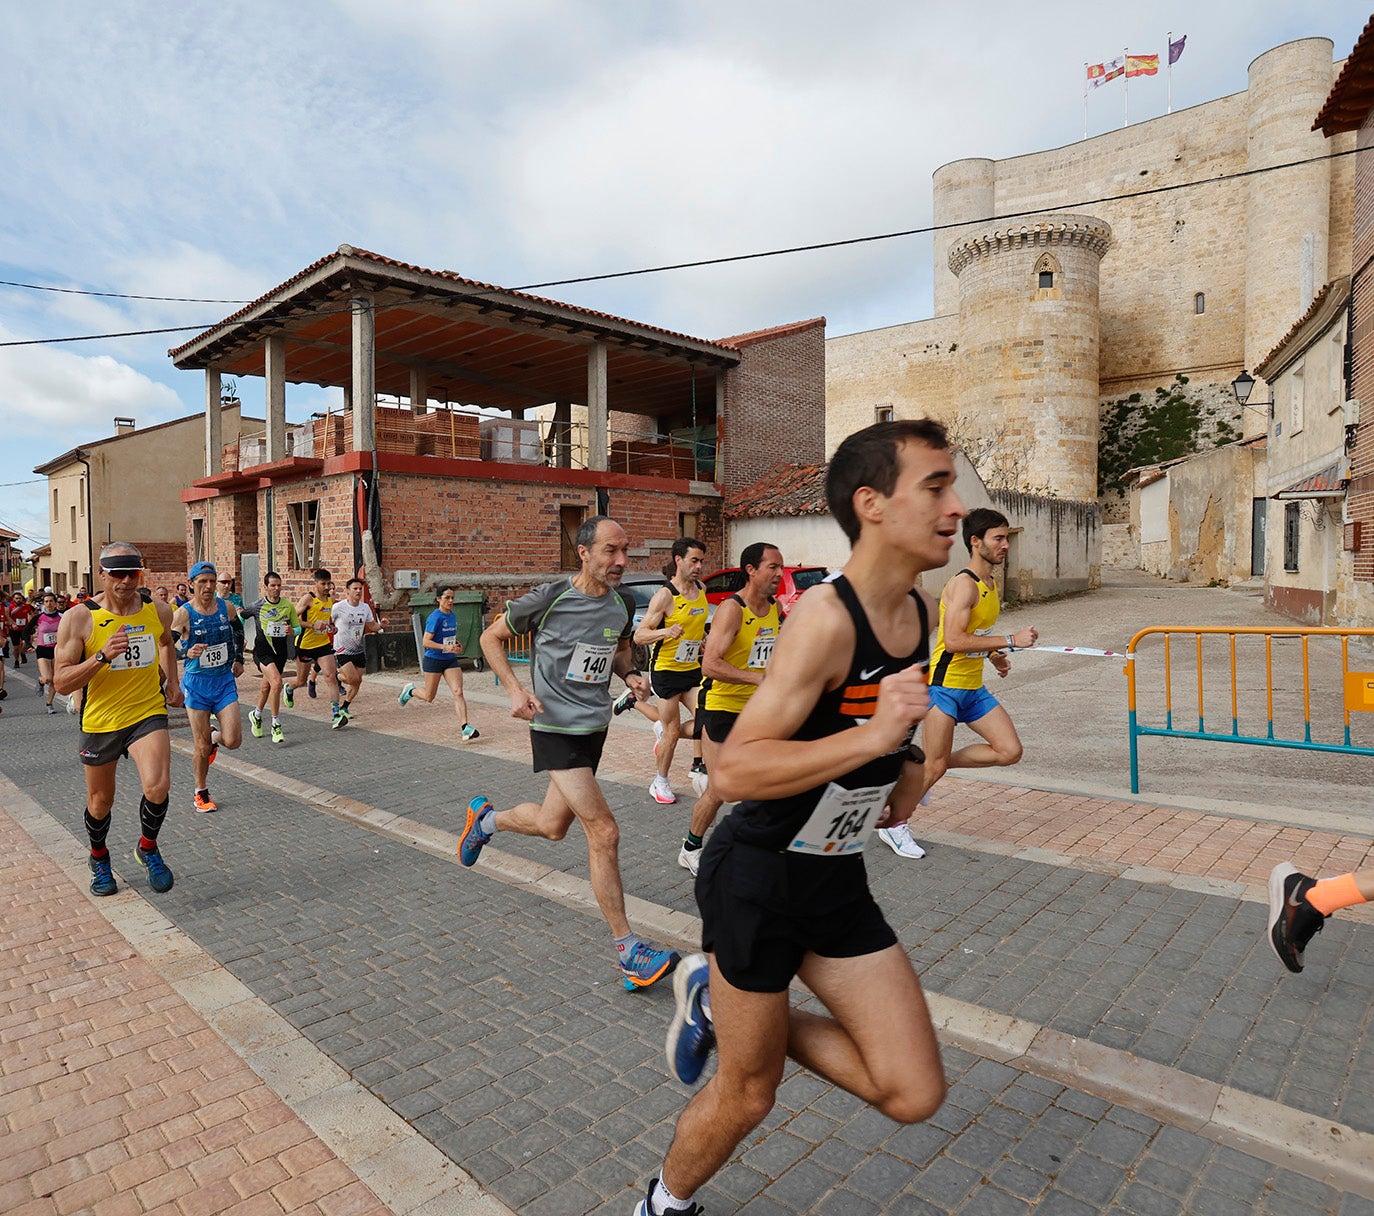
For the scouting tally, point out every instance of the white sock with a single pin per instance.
(665, 1201)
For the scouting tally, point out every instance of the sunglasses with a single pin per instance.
(224, 582)
(122, 574)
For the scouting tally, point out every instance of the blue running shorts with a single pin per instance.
(963, 704)
(210, 693)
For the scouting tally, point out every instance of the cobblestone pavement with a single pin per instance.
(1119, 1038)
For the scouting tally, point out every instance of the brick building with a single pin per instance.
(510, 419)
(1349, 107)
(11, 564)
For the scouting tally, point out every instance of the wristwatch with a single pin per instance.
(101, 657)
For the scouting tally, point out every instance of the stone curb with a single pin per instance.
(403, 1169)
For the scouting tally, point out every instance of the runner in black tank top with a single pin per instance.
(819, 757)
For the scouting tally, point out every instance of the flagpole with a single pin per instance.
(1169, 69)
(1126, 87)
(1085, 101)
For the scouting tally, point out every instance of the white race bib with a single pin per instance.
(47, 639)
(276, 629)
(760, 652)
(142, 652)
(215, 656)
(842, 821)
(687, 652)
(591, 664)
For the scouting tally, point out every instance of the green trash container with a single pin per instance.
(467, 612)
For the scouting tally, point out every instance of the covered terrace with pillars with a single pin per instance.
(594, 410)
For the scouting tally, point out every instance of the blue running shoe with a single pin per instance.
(473, 838)
(647, 965)
(159, 876)
(645, 1207)
(102, 877)
(406, 693)
(310, 687)
(690, 1034)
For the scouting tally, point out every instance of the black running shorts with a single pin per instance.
(270, 653)
(763, 911)
(715, 723)
(674, 683)
(313, 654)
(553, 753)
(359, 660)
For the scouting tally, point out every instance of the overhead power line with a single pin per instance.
(697, 264)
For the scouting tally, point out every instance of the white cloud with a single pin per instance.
(46, 391)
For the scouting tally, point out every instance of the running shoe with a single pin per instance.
(698, 766)
(406, 693)
(472, 839)
(662, 792)
(645, 1207)
(288, 696)
(1292, 920)
(898, 839)
(51, 710)
(159, 876)
(689, 859)
(214, 751)
(470, 733)
(204, 802)
(647, 965)
(690, 1034)
(339, 720)
(278, 735)
(625, 701)
(71, 705)
(255, 723)
(102, 876)
(310, 687)
(658, 737)
(333, 709)
(699, 779)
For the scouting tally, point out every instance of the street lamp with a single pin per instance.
(1243, 385)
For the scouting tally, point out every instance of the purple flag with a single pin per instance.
(1176, 50)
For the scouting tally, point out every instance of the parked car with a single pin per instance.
(795, 580)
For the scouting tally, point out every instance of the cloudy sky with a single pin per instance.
(214, 149)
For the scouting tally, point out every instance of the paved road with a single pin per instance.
(1119, 1039)
(1071, 712)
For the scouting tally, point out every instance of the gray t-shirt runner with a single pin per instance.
(575, 640)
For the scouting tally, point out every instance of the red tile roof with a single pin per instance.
(1352, 96)
(786, 489)
(1324, 484)
(352, 251)
(766, 335)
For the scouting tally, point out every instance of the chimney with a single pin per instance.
(123, 426)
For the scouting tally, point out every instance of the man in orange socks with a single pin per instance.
(1298, 904)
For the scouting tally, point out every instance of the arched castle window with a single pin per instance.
(1045, 270)
(1199, 304)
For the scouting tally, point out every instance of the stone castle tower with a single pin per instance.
(1203, 276)
(1028, 347)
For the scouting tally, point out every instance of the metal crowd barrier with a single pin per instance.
(1356, 692)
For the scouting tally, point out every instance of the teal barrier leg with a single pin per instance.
(1135, 759)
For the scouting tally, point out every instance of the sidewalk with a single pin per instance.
(1121, 1039)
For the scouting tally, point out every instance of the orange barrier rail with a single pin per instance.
(1357, 691)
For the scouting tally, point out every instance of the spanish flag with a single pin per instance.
(1142, 65)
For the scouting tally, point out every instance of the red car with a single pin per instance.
(795, 580)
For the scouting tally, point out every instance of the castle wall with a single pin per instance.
(1170, 246)
(911, 368)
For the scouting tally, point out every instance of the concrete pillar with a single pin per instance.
(214, 426)
(598, 408)
(419, 391)
(274, 361)
(364, 374)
